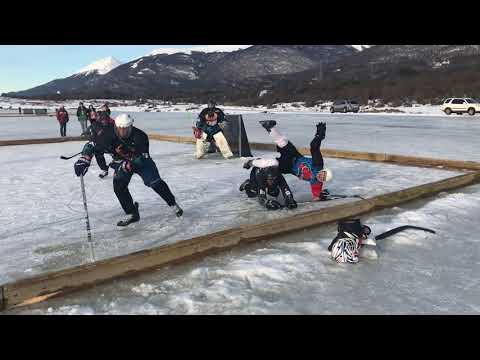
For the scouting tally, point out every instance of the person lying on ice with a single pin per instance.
(209, 128)
(130, 152)
(266, 179)
(304, 167)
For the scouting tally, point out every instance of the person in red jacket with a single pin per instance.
(62, 117)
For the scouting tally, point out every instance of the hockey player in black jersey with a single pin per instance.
(129, 148)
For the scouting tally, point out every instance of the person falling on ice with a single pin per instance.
(266, 180)
(130, 152)
(304, 167)
(208, 128)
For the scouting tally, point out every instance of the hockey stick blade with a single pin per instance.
(69, 157)
(401, 228)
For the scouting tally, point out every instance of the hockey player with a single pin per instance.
(304, 167)
(347, 245)
(266, 179)
(130, 151)
(101, 134)
(208, 129)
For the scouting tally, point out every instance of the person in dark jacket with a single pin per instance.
(266, 179)
(92, 114)
(129, 148)
(82, 115)
(62, 118)
(106, 109)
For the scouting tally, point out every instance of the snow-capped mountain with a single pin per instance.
(167, 71)
(101, 66)
(205, 49)
(84, 77)
(361, 47)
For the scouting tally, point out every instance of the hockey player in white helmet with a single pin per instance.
(130, 151)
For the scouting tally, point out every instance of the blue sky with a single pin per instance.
(26, 66)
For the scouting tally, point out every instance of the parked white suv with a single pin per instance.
(460, 106)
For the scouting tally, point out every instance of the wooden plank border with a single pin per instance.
(40, 141)
(42, 287)
(352, 155)
(333, 153)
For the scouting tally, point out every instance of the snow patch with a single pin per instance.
(102, 66)
(145, 290)
(134, 66)
(201, 48)
(361, 47)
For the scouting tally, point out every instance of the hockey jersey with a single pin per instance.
(303, 168)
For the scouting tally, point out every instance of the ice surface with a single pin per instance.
(417, 273)
(43, 225)
(438, 137)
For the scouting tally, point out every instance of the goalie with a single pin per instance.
(209, 129)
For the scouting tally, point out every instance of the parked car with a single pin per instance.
(460, 106)
(345, 106)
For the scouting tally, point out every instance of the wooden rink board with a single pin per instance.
(351, 155)
(42, 287)
(40, 141)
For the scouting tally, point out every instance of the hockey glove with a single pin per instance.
(197, 132)
(248, 164)
(321, 128)
(88, 149)
(127, 166)
(290, 202)
(81, 165)
(272, 204)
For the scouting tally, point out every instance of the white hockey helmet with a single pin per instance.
(123, 125)
(123, 121)
(345, 250)
(325, 174)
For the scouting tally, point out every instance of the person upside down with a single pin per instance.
(266, 179)
(310, 169)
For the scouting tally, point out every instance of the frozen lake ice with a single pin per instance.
(417, 273)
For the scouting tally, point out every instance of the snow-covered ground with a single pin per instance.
(10, 104)
(43, 227)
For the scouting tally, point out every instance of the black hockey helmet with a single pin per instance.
(271, 175)
(353, 226)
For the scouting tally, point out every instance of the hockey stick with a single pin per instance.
(69, 157)
(401, 228)
(87, 220)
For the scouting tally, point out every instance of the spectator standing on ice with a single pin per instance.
(62, 117)
(82, 115)
(92, 114)
(106, 109)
